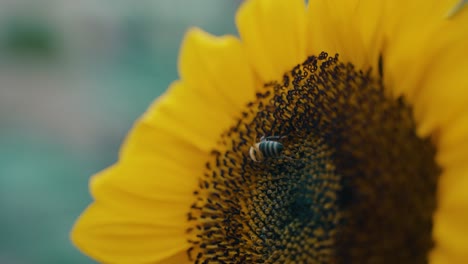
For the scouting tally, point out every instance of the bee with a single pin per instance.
(268, 147)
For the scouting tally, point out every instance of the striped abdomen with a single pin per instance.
(270, 149)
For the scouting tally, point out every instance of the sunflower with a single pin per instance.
(328, 132)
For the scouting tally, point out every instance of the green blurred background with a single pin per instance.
(74, 76)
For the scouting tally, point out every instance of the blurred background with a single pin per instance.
(74, 76)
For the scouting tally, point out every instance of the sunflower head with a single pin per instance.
(324, 135)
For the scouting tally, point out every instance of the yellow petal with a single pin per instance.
(444, 256)
(453, 142)
(182, 118)
(452, 188)
(450, 230)
(218, 71)
(136, 217)
(349, 28)
(164, 136)
(273, 34)
(414, 35)
(444, 93)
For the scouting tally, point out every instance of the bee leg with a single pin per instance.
(290, 158)
(272, 137)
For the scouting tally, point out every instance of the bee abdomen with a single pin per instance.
(271, 148)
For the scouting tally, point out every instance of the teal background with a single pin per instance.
(74, 76)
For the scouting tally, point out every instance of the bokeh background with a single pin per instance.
(74, 76)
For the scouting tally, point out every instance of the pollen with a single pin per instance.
(354, 183)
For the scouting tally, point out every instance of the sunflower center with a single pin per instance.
(322, 168)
